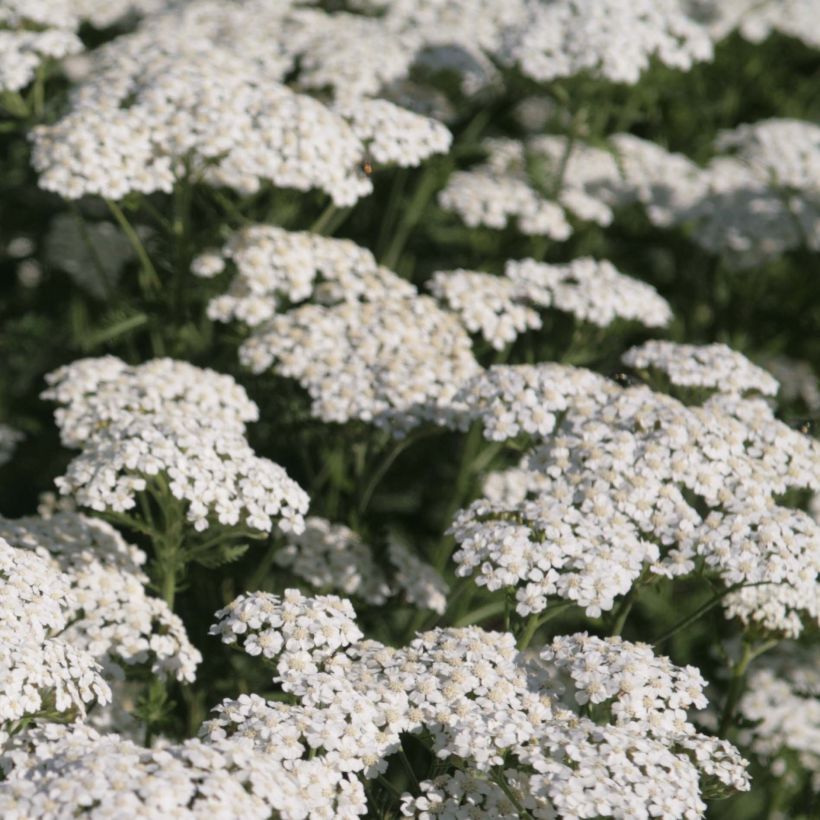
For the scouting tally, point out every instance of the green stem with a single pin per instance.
(472, 443)
(149, 280)
(535, 622)
(405, 762)
(387, 463)
(737, 681)
(625, 607)
(324, 218)
(702, 610)
(412, 214)
(482, 613)
(501, 781)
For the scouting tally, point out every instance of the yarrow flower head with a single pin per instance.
(267, 625)
(173, 420)
(111, 615)
(714, 367)
(614, 40)
(755, 20)
(782, 706)
(276, 269)
(394, 362)
(195, 92)
(42, 673)
(77, 767)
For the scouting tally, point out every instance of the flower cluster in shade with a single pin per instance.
(501, 307)
(485, 706)
(173, 430)
(332, 557)
(9, 439)
(755, 20)
(781, 713)
(111, 615)
(711, 367)
(757, 198)
(43, 672)
(613, 488)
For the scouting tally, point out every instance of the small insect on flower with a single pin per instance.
(366, 166)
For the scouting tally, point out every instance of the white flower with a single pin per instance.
(613, 39)
(714, 366)
(172, 419)
(111, 615)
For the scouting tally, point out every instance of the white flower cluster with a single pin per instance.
(757, 19)
(714, 367)
(501, 307)
(276, 268)
(776, 547)
(268, 625)
(333, 557)
(613, 39)
(764, 197)
(486, 304)
(641, 687)
(549, 547)
(41, 673)
(394, 362)
(32, 31)
(668, 185)
(421, 585)
(591, 290)
(464, 795)
(9, 439)
(72, 769)
(168, 419)
(494, 192)
(110, 614)
(784, 706)
(524, 399)
(798, 381)
(485, 705)
(198, 90)
(539, 182)
(759, 197)
(393, 135)
(609, 496)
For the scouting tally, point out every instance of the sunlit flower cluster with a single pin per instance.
(614, 39)
(42, 672)
(168, 427)
(713, 367)
(110, 614)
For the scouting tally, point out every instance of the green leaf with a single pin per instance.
(221, 555)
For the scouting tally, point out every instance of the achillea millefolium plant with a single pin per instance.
(409, 408)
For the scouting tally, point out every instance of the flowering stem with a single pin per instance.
(737, 680)
(324, 218)
(412, 214)
(702, 610)
(149, 278)
(483, 612)
(625, 607)
(387, 463)
(501, 780)
(405, 762)
(537, 621)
